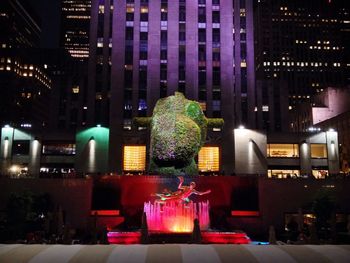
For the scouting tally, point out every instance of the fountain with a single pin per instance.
(175, 217)
(170, 218)
(178, 129)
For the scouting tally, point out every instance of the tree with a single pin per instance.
(323, 206)
(26, 212)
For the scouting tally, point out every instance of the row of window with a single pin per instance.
(292, 150)
(317, 173)
(21, 147)
(134, 159)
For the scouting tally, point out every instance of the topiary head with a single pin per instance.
(178, 130)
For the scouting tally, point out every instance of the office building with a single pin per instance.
(304, 45)
(24, 83)
(75, 24)
(141, 51)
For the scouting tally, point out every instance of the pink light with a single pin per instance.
(225, 238)
(244, 213)
(124, 237)
(175, 217)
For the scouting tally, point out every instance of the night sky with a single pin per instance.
(49, 11)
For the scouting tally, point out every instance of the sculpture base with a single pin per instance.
(176, 217)
(208, 237)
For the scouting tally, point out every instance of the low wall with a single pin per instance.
(74, 195)
(272, 198)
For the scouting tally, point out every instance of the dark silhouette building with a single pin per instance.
(303, 44)
(24, 83)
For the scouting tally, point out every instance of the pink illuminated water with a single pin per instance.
(176, 217)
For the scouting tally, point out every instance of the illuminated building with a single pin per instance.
(303, 45)
(26, 88)
(75, 24)
(25, 83)
(141, 51)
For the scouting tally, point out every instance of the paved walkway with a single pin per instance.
(173, 253)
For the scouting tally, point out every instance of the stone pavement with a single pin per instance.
(169, 253)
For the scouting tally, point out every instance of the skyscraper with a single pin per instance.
(75, 24)
(302, 44)
(143, 50)
(19, 25)
(24, 83)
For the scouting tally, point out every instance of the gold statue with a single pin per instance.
(181, 195)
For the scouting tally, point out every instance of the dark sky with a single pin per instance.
(49, 11)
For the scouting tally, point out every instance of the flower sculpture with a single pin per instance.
(178, 131)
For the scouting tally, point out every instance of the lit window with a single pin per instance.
(144, 9)
(98, 96)
(318, 151)
(130, 9)
(101, 9)
(208, 159)
(75, 89)
(134, 158)
(265, 108)
(319, 173)
(283, 150)
(282, 174)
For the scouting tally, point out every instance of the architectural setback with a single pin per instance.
(280, 155)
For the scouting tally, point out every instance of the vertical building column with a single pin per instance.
(173, 47)
(34, 157)
(227, 84)
(259, 104)
(136, 59)
(209, 58)
(91, 83)
(117, 89)
(332, 152)
(105, 76)
(7, 134)
(192, 50)
(271, 105)
(153, 56)
(237, 64)
(250, 63)
(305, 157)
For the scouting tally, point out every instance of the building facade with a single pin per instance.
(24, 82)
(25, 153)
(303, 44)
(141, 51)
(75, 24)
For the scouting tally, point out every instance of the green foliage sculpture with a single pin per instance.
(178, 131)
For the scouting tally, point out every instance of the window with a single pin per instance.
(134, 158)
(281, 174)
(54, 148)
(318, 151)
(283, 150)
(208, 159)
(319, 173)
